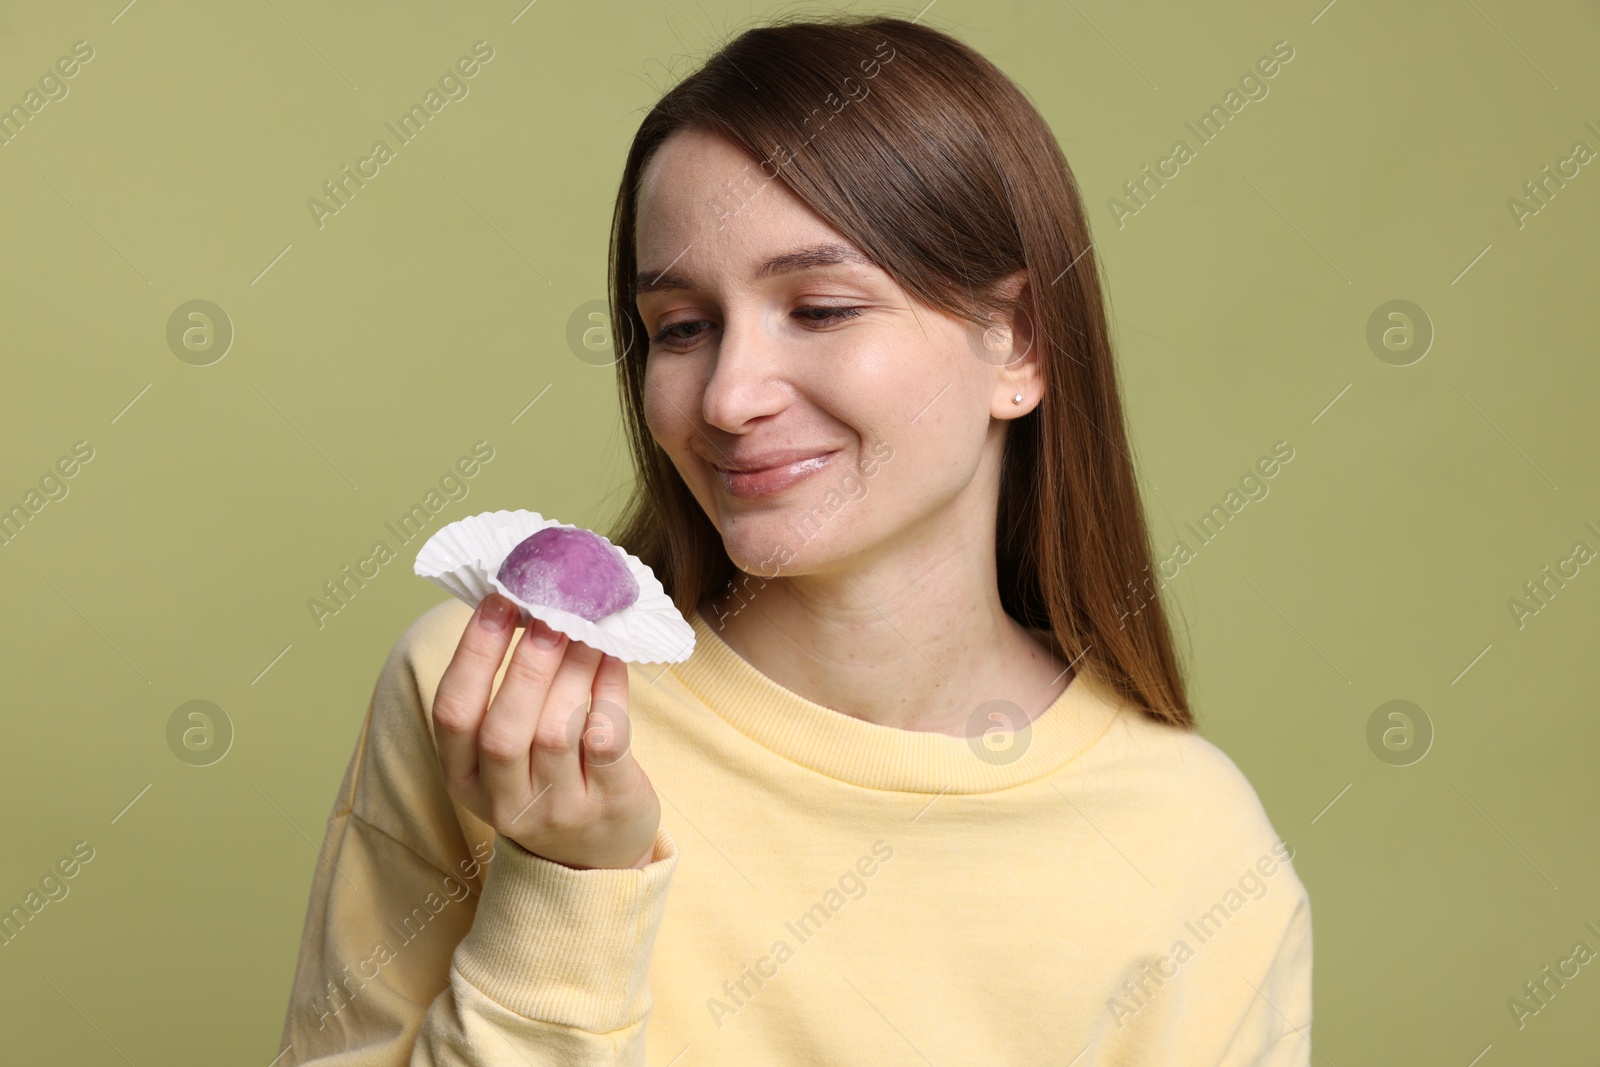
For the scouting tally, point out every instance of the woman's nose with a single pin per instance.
(747, 379)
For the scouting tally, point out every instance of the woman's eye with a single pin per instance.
(822, 316)
(680, 334)
(668, 334)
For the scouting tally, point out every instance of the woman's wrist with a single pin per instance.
(639, 864)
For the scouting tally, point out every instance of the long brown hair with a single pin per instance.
(934, 164)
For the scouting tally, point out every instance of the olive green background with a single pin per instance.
(370, 354)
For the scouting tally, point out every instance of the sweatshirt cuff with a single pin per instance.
(566, 946)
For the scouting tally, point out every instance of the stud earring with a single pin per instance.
(1017, 399)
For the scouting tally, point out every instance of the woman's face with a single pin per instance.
(774, 344)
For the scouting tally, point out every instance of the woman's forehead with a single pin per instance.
(705, 207)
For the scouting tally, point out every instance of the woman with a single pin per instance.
(927, 788)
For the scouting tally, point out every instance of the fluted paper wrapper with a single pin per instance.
(464, 558)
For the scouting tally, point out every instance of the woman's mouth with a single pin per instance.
(770, 480)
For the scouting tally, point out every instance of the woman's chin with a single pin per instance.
(764, 544)
(764, 554)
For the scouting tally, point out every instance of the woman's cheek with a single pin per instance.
(659, 416)
(670, 402)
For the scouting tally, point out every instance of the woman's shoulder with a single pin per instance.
(429, 641)
(1182, 757)
(401, 713)
(1207, 804)
(392, 782)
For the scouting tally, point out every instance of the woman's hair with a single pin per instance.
(934, 164)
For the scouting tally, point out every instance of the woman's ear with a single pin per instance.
(1010, 347)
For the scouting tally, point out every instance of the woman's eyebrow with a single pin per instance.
(829, 254)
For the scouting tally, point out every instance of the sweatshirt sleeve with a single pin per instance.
(431, 939)
(1276, 1029)
(554, 968)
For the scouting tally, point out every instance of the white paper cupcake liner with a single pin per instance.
(464, 558)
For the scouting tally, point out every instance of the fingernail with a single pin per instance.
(542, 636)
(493, 611)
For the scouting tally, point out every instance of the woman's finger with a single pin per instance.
(608, 735)
(506, 737)
(557, 738)
(463, 693)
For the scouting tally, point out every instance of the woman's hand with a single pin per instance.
(558, 782)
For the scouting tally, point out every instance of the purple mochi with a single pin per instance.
(572, 569)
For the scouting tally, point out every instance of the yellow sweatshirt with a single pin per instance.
(1103, 889)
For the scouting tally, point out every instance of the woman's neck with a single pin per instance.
(918, 652)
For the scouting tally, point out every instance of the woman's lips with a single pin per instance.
(771, 480)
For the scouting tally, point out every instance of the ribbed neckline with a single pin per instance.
(885, 757)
